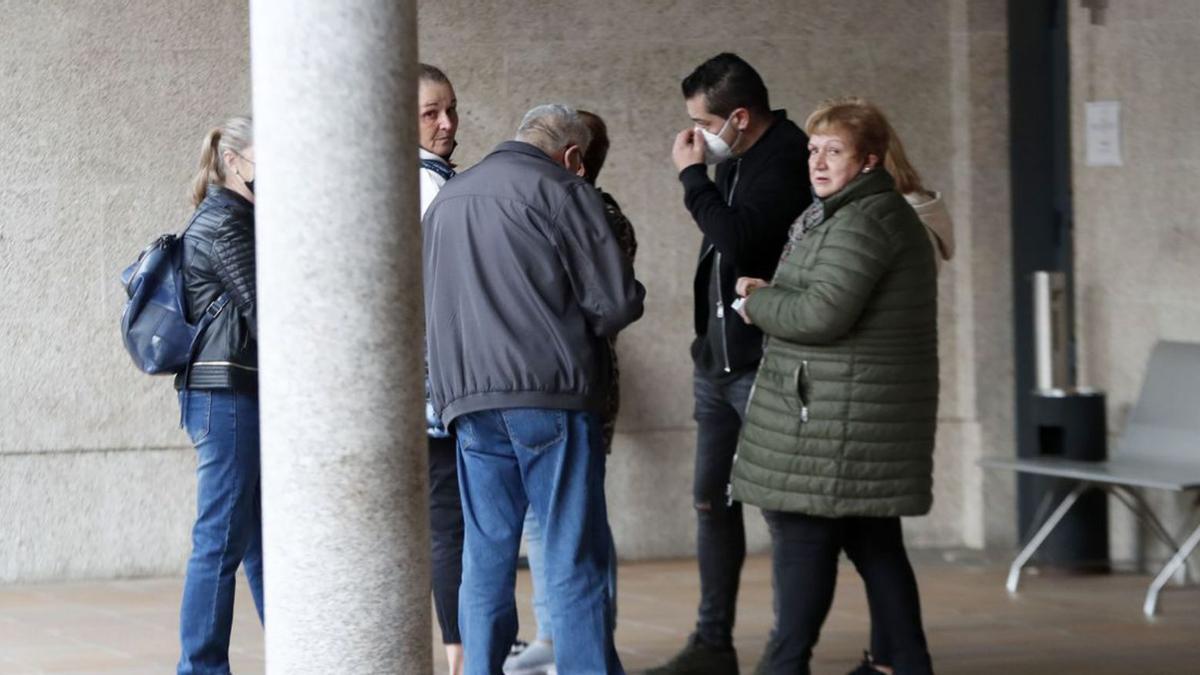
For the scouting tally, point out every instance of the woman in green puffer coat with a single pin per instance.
(838, 439)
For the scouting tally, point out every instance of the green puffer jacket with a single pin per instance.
(842, 415)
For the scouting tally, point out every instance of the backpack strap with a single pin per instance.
(211, 313)
(213, 310)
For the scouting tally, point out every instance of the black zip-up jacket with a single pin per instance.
(218, 257)
(770, 189)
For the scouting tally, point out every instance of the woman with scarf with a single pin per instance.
(838, 439)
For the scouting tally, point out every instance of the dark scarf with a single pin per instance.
(443, 170)
(813, 216)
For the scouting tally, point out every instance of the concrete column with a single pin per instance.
(345, 510)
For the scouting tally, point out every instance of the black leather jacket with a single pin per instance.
(218, 257)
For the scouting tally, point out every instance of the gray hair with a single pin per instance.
(552, 127)
(428, 73)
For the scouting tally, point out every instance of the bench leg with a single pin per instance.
(1178, 559)
(1014, 572)
(1141, 508)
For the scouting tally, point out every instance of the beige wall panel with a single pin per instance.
(1136, 239)
(105, 105)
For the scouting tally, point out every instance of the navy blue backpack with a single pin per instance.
(154, 325)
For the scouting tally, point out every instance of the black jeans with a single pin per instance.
(805, 565)
(721, 533)
(446, 535)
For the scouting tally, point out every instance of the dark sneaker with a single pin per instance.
(698, 658)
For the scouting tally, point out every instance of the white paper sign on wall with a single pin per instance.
(1103, 133)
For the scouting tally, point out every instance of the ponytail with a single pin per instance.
(236, 134)
(210, 167)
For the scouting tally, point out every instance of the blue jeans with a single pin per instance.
(223, 425)
(537, 570)
(550, 461)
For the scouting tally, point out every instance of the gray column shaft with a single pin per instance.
(345, 510)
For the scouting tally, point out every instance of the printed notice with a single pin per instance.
(1103, 133)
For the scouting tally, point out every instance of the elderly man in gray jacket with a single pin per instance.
(523, 284)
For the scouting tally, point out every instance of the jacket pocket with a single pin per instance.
(803, 386)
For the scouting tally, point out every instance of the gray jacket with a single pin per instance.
(523, 283)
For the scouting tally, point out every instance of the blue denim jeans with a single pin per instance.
(537, 570)
(551, 461)
(223, 425)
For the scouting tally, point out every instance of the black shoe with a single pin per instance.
(699, 658)
(866, 667)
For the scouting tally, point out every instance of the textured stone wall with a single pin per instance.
(1137, 244)
(937, 68)
(979, 320)
(104, 107)
(105, 104)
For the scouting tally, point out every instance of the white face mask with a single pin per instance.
(716, 150)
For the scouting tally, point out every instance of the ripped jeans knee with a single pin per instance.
(715, 506)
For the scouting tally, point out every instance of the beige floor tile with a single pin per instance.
(1058, 624)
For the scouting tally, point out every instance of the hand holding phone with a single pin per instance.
(747, 285)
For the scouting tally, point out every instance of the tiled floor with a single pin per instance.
(1060, 625)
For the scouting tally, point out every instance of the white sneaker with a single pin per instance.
(535, 659)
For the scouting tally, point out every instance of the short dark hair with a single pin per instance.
(428, 73)
(728, 83)
(597, 150)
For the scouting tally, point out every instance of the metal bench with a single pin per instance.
(1159, 449)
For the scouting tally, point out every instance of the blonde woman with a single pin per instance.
(218, 395)
(928, 204)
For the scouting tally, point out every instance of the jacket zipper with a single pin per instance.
(737, 166)
(721, 314)
(227, 364)
(737, 169)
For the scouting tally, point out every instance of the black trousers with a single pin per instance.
(720, 530)
(446, 535)
(805, 565)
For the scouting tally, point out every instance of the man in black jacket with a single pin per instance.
(761, 187)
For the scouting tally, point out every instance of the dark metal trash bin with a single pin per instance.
(1070, 425)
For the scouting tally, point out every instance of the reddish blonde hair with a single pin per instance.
(870, 130)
